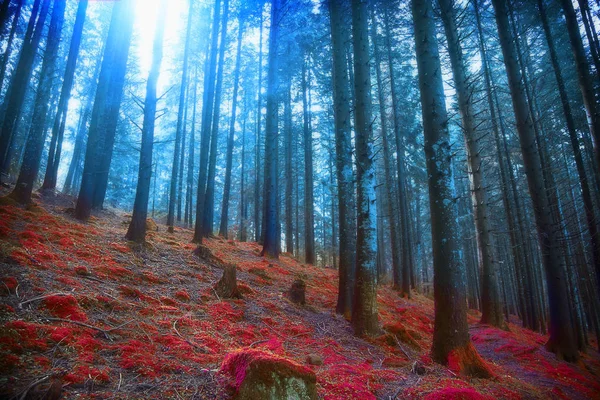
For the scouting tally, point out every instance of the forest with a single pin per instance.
(300, 199)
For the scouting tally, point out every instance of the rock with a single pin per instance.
(227, 286)
(314, 359)
(297, 293)
(254, 374)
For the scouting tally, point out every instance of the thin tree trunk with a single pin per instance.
(11, 38)
(271, 238)
(227, 186)
(178, 132)
(309, 213)
(257, 207)
(58, 129)
(289, 184)
(137, 226)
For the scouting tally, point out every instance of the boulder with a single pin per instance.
(254, 374)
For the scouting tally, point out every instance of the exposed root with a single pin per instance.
(466, 361)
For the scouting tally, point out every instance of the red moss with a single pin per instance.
(130, 292)
(120, 247)
(451, 393)
(82, 373)
(182, 295)
(31, 235)
(10, 282)
(66, 242)
(152, 278)
(64, 307)
(81, 270)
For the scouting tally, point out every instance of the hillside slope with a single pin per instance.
(83, 309)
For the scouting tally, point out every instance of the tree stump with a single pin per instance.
(297, 293)
(227, 286)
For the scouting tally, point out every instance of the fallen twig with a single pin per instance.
(34, 384)
(43, 297)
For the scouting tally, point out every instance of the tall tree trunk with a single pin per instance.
(105, 113)
(451, 331)
(289, 184)
(35, 140)
(207, 111)
(271, 238)
(227, 186)
(190, 172)
(491, 308)
(402, 192)
(338, 17)
(15, 95)
(561, 336)
(583, 181)
(137, 226)
(179, 129)
(587, 90)
(309, 211)
(389, 184)
(257, 180)
(364, 310)
(58, 129)
(11, 38)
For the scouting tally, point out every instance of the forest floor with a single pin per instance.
(82, 308)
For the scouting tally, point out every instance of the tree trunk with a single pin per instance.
(179, 129)
(105, 113)
(35, 140)
(58, 129)
(227, 186)
(257, 207)
(389, 184)
(586, 85)
(11, 38)
(15, 94)
(289, 184)
(561, 336)
(451, 331)
(207, 111)
(309, 212)
(364, 310)
(491, 307)
(137, 227)
(271, 239)
(209, 197)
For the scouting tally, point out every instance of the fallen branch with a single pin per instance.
(34, 384)
(104, 331)
(43, 297)
(401, 348)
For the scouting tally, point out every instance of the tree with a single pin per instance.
(561, 339)
(343, 155)
(271, 227)
(309, 212)
(207, 110)
(58, 128)
(105, 112)
(451, 331)
(364, 309)
(491, 308)
(227, 185)
(35, 140)
(15, 95)
(137, 226)
(178, 133)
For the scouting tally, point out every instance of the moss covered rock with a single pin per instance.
(254, 374)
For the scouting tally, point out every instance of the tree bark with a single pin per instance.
(271, 239)
(491, 307)
(309, 212)
(227, 186)
(364, 310)
(35, 140)
(561, 336)
(58, 129)
(137, 227)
